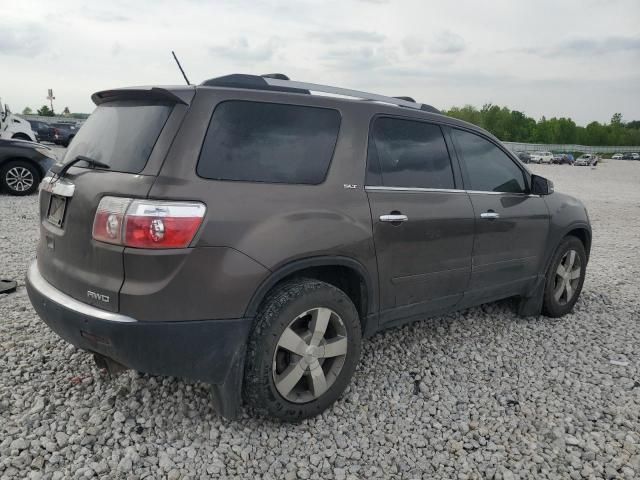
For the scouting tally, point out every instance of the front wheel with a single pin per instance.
(19, 178)
(565, 278)
(303, 350)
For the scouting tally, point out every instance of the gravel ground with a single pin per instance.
(477, 394)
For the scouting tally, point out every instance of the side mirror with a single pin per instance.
(541, 185)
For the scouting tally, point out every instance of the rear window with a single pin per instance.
(269, 142)
(120, 134)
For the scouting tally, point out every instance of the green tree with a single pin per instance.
(514, 126)
(616, 120)
(45, 111)
(27, 111)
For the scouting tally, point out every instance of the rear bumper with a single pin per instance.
(208, 350)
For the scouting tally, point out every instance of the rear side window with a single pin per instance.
(120, 134)
(269, 142)
(488, 167)
(409, 154)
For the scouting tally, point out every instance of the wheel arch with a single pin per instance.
(22, 135)
(345, 273)
(584, 235)
(580, 230)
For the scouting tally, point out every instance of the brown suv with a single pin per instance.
(249, 234)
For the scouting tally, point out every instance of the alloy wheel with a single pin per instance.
(567, 277)
(19, 179)
(309, 355)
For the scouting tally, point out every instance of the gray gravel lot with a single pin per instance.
(477, 394)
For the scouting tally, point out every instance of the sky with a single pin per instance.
(571, 58)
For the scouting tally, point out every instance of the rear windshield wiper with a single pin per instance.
(61, 169)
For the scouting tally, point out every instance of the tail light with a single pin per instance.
(147, 223)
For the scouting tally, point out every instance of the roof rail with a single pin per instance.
(276, 82)
(346, 92)
(408, 99)
(279, 76)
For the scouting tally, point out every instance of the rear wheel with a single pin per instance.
(303, 350)
(565, 278)
(19, 178)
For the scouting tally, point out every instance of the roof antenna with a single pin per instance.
(180, 67)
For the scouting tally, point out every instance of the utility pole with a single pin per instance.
(51, 98)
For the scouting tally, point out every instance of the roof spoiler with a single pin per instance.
(141, 93)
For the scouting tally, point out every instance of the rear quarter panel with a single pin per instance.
(274, 224)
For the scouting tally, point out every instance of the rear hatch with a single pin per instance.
(130, 131)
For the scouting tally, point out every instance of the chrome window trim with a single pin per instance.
(482, 192)
(379, 188)
(39, 283)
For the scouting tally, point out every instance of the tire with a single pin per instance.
(270, 369)
(19, 178)
(559, 300)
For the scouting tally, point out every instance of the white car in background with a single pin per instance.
(585, 160)
(541, 157)
(12, 126)
(617, 156)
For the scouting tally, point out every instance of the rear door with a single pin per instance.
(511, 224)
(422, 218)
(132, 136)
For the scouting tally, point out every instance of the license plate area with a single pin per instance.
(56, 210)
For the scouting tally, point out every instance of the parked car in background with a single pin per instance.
(524, 157)
(22, 165)
(586, 159)
(617, 156)
(64, 133)
(563, 159)
(541, 157)
(13, 126)
(249, 234)
(635, 156)
(43, 131)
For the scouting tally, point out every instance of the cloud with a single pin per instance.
(597, 46)
(583, 46)
(358, 58)
(413, 45)
(106, 16)
(347, 36)
(448, 43)
(22, 40)
(240, 50)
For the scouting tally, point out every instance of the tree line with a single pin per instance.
(514, 126)
(45, 111)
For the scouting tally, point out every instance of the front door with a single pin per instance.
(423, 221)
(511, 224)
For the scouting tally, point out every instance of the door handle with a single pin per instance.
(394, 218)
(490, 215)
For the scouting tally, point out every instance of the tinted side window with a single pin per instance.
(269, 142)
(410, 154)
(488, 167)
